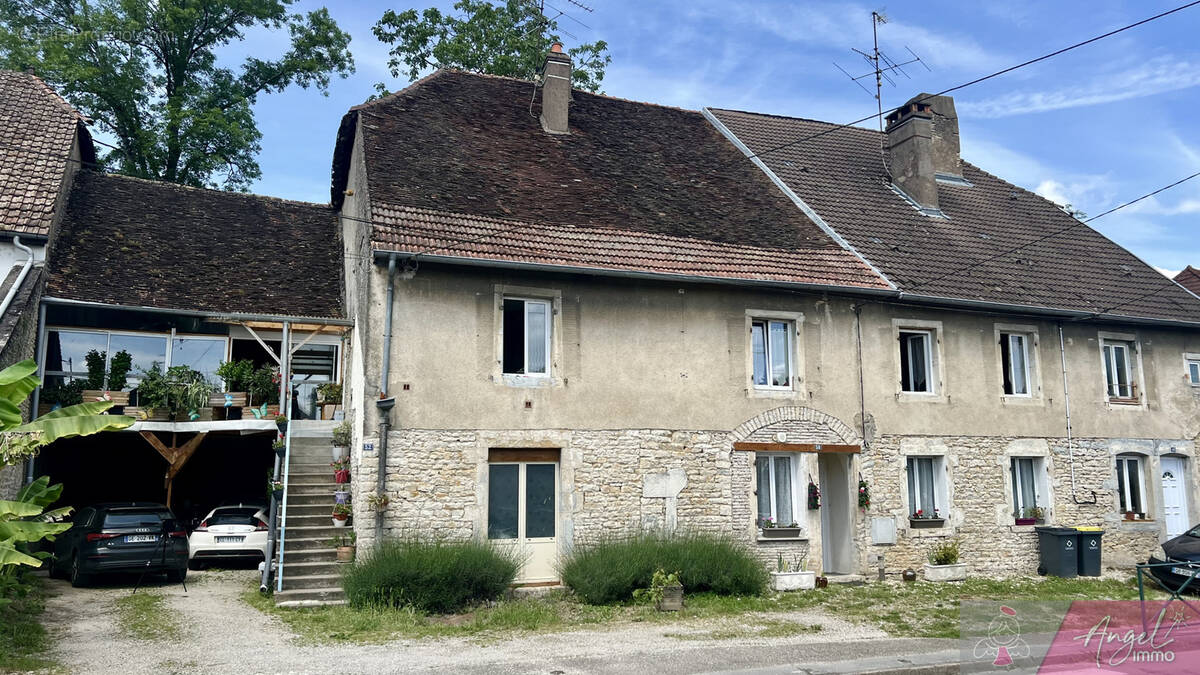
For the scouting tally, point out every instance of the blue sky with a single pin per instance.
(1095, 127)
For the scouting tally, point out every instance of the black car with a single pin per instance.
(1184, 550)
(121, 537)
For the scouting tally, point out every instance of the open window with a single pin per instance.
(1120, 370)
(1192, 361)
(916, 361)
(926, 490)
(1015, 357)
(777, 493)
(771, 349)
(1029, 487)
(1131, 485)
(526, 331)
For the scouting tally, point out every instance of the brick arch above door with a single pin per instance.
(799, 423)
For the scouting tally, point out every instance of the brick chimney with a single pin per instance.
(922, 139)
(556, 90)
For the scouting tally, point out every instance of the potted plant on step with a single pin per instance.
(341, 441)
(341, 496)
(344, 543)
(786, 578)
(341, 471)
(340, 513)
(943, 563)
(1031, 515)
(665, 591)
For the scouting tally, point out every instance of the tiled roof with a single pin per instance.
(1189, 278)
(127, 241)
(437, 233)
(840, 175)
(37, 130)
(629, 174)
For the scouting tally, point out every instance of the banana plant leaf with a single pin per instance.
(18, 381)
(29, 530)
(9, 555)
(19, 509)
(53, 427)
(40, 492)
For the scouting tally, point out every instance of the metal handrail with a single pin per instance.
(1176, 594)
(287, 455)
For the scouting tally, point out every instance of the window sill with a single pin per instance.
(926, 523)
(1015, 399)
(917, 397)
(1125, 402)
(766, 392)
(513, 380)
(768, 540)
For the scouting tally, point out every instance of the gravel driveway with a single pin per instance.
(222, 634)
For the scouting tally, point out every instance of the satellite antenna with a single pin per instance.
(883, 67)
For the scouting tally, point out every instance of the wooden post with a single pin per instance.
(175, 455)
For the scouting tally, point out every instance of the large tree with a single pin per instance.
(501, 39)
(147, 72)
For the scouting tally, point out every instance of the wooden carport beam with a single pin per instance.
(176, 455)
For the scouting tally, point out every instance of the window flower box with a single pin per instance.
(781, 532)
(1027, 521)
(925, 523)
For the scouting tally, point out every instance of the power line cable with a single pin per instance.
(977, 80)
(1075, 223)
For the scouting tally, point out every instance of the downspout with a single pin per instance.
(285, 408)
(862, 392)
(1062, 350)
(385, 403)
(16, 287)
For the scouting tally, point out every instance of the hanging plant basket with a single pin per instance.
(864, 494)
(814, 496)
(341, 476)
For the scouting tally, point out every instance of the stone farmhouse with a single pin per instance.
(579, 316)
(561, 316)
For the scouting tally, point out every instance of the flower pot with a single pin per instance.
(780, 532)
(1026, 521)
(339, 521)
(793, 581)
(822, 582)
(345, 554)
(908, 575)
(672, 599)
(341, 497)
(340, 452)
(277, 495)
(921, 523)
(955, 572)
(341, 476)
(282, 427)
(280, 452)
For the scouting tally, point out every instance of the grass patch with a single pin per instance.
(24, 643)
(610, 571)
(429, 576)
(902, 610)
(144, 616)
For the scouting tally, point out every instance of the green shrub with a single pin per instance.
(430, 576)
(945, 553)
(610, 571)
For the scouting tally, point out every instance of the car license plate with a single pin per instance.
(136, 538)
(230, 540)
(1185, 572)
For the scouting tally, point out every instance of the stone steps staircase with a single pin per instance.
(310, 573)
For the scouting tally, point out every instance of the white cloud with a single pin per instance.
(1156, 76)
(1170, 274)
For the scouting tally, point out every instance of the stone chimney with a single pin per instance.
(922, 139)
(556, 90)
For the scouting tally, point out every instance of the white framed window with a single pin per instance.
(1029, 486)
(771, 348)
(1192, 362)
(1131, 484)
(926, 487)
(526, 327)
(916, 361)
(1120, 369)
(1015, 357)
(778, 487)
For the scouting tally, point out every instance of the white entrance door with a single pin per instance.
(1174, 491)
(523, 513)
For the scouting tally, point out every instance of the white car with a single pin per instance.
(227, 532)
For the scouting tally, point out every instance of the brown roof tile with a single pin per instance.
(1189, 278)
(128, 241)
(628, 174)
(840, 175)
(438, 233)
(37, 130)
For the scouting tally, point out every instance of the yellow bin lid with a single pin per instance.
(1089, 528)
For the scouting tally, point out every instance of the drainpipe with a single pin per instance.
(385, 403)
(285, 408)
(1062, 350)
(12, 292)
(37, 392)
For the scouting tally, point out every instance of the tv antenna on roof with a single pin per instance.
(883, 67)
